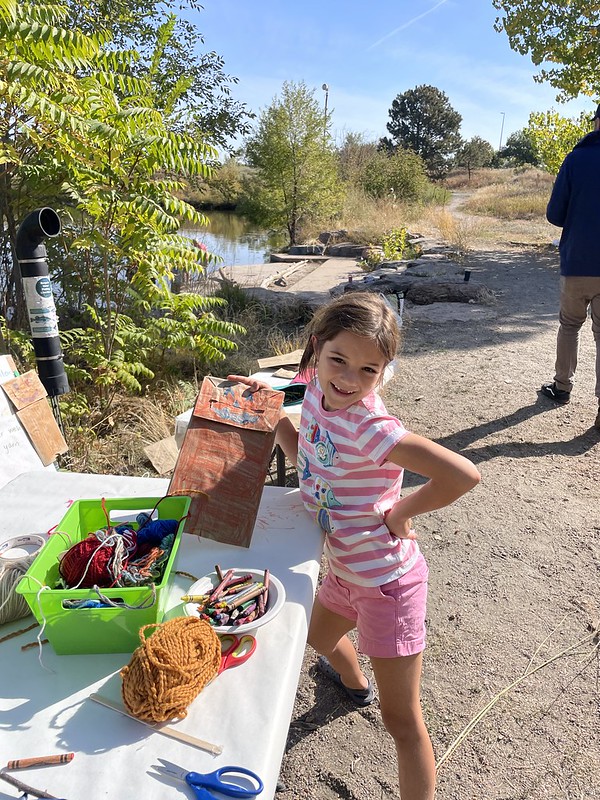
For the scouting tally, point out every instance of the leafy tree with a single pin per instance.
(225, 185)
(553, 136)
(519, 149)
(353, 155)
(423, 120)
(401, 175)
(190, 86)
(79, 130)
(561, 35)
(295, 161)
(474, 154)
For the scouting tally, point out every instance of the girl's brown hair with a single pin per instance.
(362, 313)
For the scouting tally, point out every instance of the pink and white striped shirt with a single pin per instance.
(347, 483)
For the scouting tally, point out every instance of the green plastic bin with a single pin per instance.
(97, 630)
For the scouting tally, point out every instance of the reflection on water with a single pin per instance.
(236, 240)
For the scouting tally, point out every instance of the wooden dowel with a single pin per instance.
(166, 730)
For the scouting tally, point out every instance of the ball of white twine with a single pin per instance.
(12, 568)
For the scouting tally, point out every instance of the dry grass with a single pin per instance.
(368, 219)
(460, 181)
(522, 196)
(457, 231)
(117, 446)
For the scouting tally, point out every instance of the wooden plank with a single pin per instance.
(45, 435)
(286, 360)
(24, 390)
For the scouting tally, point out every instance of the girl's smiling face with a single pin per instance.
(349, 368)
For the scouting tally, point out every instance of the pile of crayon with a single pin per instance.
(234, 601)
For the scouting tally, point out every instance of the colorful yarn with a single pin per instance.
(170, 668)
(154, 532)
(86, 564)
(119, 556)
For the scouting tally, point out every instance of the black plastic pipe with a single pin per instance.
(37, 287)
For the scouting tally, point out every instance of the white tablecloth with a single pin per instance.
(46, 708)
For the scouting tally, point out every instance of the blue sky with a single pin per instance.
(369, 52)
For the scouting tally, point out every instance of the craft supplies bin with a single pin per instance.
(97, 630)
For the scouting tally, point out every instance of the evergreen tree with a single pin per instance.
(423, 120)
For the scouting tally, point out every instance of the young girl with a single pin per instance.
(350, 455)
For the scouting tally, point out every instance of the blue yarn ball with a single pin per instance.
(154, 532)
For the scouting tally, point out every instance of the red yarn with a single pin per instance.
(91, 554)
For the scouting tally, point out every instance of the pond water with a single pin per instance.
(235, 239)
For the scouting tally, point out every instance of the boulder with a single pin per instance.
(331, 237)
(306, 250)
(346, 250)
(423, 291)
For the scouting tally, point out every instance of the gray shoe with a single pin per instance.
(362, 697)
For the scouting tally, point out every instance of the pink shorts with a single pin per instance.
(390, 619)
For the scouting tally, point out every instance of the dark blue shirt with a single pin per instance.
(574, 206)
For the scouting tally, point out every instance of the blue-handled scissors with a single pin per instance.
(201, 784)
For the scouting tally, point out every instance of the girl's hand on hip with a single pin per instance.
(401, 528)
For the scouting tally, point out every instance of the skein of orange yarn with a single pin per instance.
(170, 668)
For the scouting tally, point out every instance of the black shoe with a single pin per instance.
(362, 697)
(558, 395)
(597, 422)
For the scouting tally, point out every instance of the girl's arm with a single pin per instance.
(450, 476)
(286, 435)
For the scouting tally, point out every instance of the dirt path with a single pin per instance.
(514, 566)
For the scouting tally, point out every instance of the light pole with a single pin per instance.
(501, 131)
(326, 90)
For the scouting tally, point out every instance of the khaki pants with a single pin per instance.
(577, 294)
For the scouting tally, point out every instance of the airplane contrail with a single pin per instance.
(405, 25)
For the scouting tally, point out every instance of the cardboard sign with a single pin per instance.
(224, 459)
(17, 454)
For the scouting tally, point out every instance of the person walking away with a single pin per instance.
(573, 206)
(350, 454)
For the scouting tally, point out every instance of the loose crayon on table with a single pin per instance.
(40, 761)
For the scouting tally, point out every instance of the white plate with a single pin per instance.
(275, 600)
